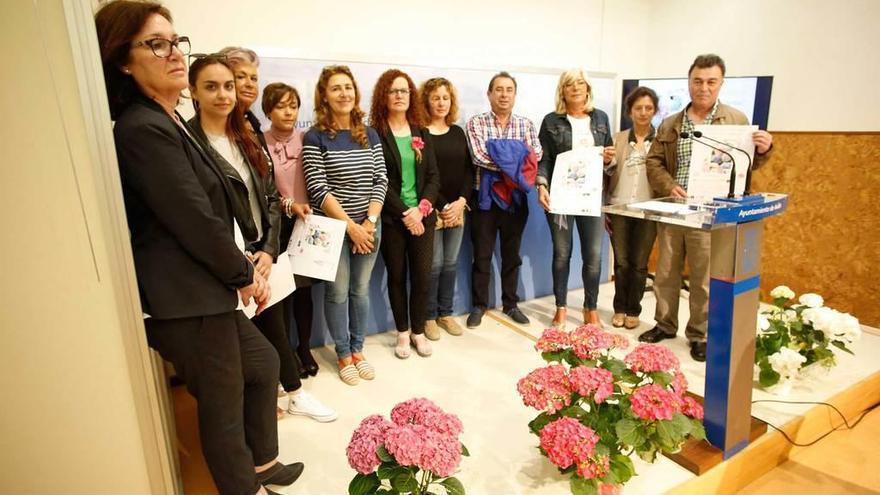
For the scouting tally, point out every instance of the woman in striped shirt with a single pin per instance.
(346, 180)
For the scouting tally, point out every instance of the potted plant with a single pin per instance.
(598, 409)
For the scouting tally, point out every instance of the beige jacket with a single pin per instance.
(662, 160)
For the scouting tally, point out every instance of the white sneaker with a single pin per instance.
(305, 404)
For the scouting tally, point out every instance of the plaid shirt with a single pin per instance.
(685, 146)
(485, 126)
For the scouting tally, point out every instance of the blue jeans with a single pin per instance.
(349, 296)
(447, 244)
(590, 232)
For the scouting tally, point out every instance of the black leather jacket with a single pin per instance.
(270, 207)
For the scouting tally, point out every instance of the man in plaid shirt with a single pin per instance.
(668, 168)
(500, 123)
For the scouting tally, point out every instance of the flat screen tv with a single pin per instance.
(749, 94)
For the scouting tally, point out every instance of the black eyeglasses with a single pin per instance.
(162, 48)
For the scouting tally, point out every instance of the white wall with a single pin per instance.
(822, 54)
(69, 420)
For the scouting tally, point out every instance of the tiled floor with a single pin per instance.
(474, 376)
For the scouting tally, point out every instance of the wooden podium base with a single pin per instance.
(698, 456)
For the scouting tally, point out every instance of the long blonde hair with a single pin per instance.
(324, 117)
(569, 77)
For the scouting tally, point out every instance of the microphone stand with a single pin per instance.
(693, 136)
(748, 189)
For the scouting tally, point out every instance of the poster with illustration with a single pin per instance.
(709, 174)
(315, 246)
(576, 186)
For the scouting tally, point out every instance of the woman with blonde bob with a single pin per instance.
(439, 101)
(575, 124)
(346, 180)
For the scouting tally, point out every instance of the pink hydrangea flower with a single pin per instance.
(552, 340)
(426, 413)
(649, 358)
(593, 467)
(361, 450)
(546, 389)
(588, 341)
(566, 441)
(691, 408)
(653, 402)
(595, 382)
(441, 454)
(679, 383)
(619, 341)
(406, 443)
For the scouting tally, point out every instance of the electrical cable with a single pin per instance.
(837, 428)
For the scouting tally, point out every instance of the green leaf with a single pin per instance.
(661, 378)
(574, 411)
(666, 433)
(453, 486)
(389, 470)
(629, 433)
(581, 486)
(629, 376)
(540, 421)
(405, 482)
(383, 454)
(768, 377)
(464, 451)
(649, 454)
(553, 357)
(363, 484)
(682, 424)
(615, 366)
(622, 467)
(698, 431)
(840, 345)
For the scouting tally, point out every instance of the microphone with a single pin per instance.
(694, 136)
(748, 188)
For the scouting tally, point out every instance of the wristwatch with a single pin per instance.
(373, 219)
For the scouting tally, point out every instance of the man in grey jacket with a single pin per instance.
(668, 165)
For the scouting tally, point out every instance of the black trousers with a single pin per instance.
(274, 323)
(631, 240)
(404, 252)
(509, 226)
(232, 371)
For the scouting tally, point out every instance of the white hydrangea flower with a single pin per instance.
(822, 319)
(811, 300)
(782, 291)
(787, 363)
(847, 328)
(763, 322)
(788, 316)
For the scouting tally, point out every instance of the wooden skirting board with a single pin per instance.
(772, 449)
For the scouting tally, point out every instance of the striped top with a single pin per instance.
(340, 166)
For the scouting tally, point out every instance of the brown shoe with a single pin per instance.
(591, 317)
(631, 322)
(618, 320)
(432, 331)
(450, 325)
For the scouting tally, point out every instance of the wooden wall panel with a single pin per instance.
(828, 240)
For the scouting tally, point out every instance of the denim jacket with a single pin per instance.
(555, 137)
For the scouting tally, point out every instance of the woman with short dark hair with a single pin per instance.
(631, 238)
(190, 271)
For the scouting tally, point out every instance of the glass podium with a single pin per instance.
(736, 225)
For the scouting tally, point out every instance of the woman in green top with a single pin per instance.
(407, 218)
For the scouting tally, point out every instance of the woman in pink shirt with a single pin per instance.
(284, 141)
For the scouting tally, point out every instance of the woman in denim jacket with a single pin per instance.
(574, 124)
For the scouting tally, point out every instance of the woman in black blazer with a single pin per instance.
(190, 271)
(407, 218)
(220, 126)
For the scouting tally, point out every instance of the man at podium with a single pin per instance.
(668, 164)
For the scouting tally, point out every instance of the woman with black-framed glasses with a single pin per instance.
(191, 274)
